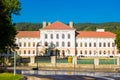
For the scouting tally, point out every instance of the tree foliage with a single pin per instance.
(7, 29)
(117, 40)
(110, 26)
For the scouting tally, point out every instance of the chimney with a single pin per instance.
(71, 24)
(44, 24)
(49, 23)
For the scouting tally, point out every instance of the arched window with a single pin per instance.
(85, 52)
(81, 44)
(33, 44)
(81, 52)
(104, 44)
(33, 51)
(63, 44)
(100, 44)
(57, 44)
(57, 36)
(100, 52)
(113, 52)
(104, 52)
(108, 44)
(46, 36)
(46, 44)
(68, 36)
(28, 44)
(63, 36)
(28, 51)
(24, 44)
(76, 44)
(94, 44)
(19, 51)
(90, 45)
(24, 51)
(68, 44)
(51, 36)
(85, 44)
(20, 44)
(90, 52)
(113, 44)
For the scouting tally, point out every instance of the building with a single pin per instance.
(66, 41)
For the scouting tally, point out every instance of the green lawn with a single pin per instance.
(9, 76)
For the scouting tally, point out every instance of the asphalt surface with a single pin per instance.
(68, 77)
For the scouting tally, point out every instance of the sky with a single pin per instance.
(78, 11)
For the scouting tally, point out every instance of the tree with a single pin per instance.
(117, 40)
(7, 29)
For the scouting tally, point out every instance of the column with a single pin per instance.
(118, 60)
(74, 61)
(32, 59)
(53, 59)
(96, 61)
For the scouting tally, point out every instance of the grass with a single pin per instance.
(9, 76)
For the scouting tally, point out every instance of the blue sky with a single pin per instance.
(82, 11)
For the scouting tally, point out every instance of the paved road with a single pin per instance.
(67, 77)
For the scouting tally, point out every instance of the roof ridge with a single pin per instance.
(58, 25)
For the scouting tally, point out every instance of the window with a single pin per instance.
(57, 44)
(113, 44)
(90, 52)
(104, 44)
(80, 51)
(68, 36)
(20, 44)
(46, 36)
(51, 36)
(29, 44)
(33, 44)
(81, 44)
(112, 52)
(28, 51)
(24, 44)
(108, 44)
(85, 44)
(24, 51)
(85, 52)
(89, 44)
(76, 44)
(63, 36)
(99, 44)
(108, 52)
(46, 44)
(100, 52)
(94, 44)
(19, 51)
(104, 52)
(33, 51)
(57, 36)
(63, 44)
(68, 44)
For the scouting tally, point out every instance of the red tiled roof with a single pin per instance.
(58, 26)
(94, 34)
(28, 34)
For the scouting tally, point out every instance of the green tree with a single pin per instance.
(117, 40)
(7, 29)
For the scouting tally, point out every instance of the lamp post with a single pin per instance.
(14, 63)
(38, 44)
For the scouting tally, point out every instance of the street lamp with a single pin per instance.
(38, 44)
(14, 63)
